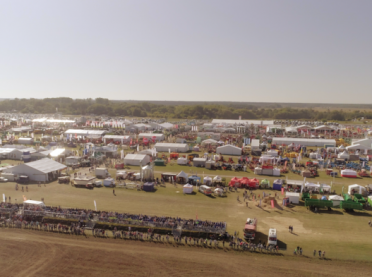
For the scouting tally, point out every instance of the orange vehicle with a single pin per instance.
(250, 228)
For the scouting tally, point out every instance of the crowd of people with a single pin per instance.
(124, 218)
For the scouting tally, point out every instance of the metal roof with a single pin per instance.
(165, 144)
(237, 121)
(116, 137)
(85, 132)
(45, 165)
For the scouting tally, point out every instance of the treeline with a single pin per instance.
(102, 106)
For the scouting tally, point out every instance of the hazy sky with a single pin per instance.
(275, 51)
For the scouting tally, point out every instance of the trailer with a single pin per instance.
(348, 197)
(350, 206)
(359, 198)
(305, 195)
(317, 203)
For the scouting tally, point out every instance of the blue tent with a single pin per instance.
(148, 186)
(324, 198)
(277, 184)
(194, 179)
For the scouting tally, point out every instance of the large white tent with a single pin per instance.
(41, 171)
(357, 147)
(304, 141)
(229, 150)
(157, 137)
(357, 188)
(173, 147)
(136, 159)
(188, 189)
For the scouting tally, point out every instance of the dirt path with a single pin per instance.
(37, 253)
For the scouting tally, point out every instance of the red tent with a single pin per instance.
(234, 181)
(253, 183)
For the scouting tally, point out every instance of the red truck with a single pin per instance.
(250, 228)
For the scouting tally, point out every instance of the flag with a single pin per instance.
(95, 205)
(24, 197)
(4, 197)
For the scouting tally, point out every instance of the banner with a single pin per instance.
(3, 197)
(95, 205)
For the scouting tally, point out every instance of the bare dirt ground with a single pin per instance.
(37, 253)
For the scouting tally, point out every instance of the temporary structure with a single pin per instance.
(207, 180)
(147, 172)
(294, 197)
(272, 153)
(182, 177)
(182, 161)
(343, 155)
(348, 173)
(173, 147)
(188, 189)
(217, 179)
(33, 202)
(136, 159)
(148, 186)
(229, 150)
(277, 184)
(199, 162)
(356, 189)
(336, 199)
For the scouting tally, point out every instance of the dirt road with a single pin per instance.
(38, 253)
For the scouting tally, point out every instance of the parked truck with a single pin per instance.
(250, 228)
(350, 206)
(102, 173)
(359, 198)
(318, 203)
(272, 238)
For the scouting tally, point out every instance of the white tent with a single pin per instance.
(348, 173)
(218, 191)
(267, 159)
(207, 180)
(341, 147)
(136, 159)
(188, 188)
(343, 155)
(181, 161)
(183, 175)
(229, 150)
(147, 172)
(33, 202)
(336, 199)
(272, 153)
(209, 141)
(312, 185)
(294, 197)
(357, 147)
(356, 188)
(217, 179)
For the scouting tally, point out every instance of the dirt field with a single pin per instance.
(36, 253)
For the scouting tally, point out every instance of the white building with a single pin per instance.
(229, 150)
(173, 147)
(136, 159)
(158, 137)
(43, 170)
(305, 142)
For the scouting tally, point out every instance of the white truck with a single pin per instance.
(272, 239)
(102, 173)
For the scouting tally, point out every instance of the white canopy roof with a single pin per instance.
(357, 146)
(182, 175)
(46, 165)
(207, 178)
(336, 197)
(33, 202)
(217, 178)
(312, 185)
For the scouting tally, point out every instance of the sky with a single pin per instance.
(317, 51)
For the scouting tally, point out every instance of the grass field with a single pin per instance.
(342, 235)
